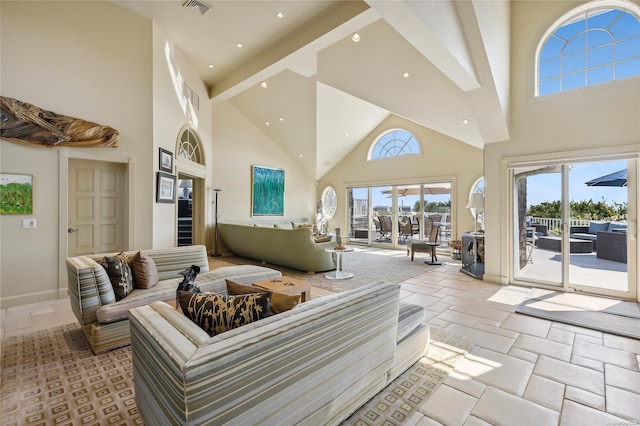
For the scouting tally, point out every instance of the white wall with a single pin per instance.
(89, 60)
(237, 145)
(605, 116)
(442, 158)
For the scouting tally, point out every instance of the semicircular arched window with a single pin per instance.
(189, 146)
(593, 46)
(394, 143)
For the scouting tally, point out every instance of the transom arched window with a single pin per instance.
(189, 146)
(394, 143)
(590, 46)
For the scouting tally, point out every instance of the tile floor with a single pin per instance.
(522, 370)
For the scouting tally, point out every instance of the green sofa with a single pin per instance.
(105, 321)
(312, 365)
(278, 244)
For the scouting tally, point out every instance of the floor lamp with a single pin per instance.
(215, 253)
(476, 201)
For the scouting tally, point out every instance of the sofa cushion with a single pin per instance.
(217, 313)
(410, 317)
(288, 225)
(280, 302)
(144, 270)
(595, 227)
(119, 275)
(616, 225)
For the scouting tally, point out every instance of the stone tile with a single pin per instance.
(543, 347)
(422, 299)
(42, 310)
(487, 312)
(561, 336)
(578, 330)
(589, 339)
(458, 301)
(622, 378)
(448, 406)
(574, 414)
(523, 355)
(569, 374)
(425, 421)
(474, 421)
(607, 355)
(464, 383)
(439, 323)
(458, 309)
(525, 324)
(622, 343)
(497, 330)
(623, 403)
(501, 408)
(545, 392)
(497, 370)
(483, 338)
(439, 307)
(488, 322)
(586, 362)
(584, 397)
(458, 318)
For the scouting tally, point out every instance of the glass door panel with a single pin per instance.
(359, 221)
(537, 242)
(383, 216)
(598, 227)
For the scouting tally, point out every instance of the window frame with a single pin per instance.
(380, 136)
(583, 9)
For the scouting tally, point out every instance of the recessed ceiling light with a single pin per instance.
(210, 65)
(346, 134)
(281, 119)
(267, 123)
(299, 155)
(280, 15)
(405, 74)
(355, 37)
(238, 44)
(465, 121)
(264, 84)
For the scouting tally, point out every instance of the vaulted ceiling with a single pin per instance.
(435, 63)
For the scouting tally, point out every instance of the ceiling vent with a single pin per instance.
(195, 4)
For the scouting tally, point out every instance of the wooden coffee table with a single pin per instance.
(287, 285)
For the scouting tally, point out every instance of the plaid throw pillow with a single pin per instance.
(217, 313)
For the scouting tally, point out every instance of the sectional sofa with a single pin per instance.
(591, 232)
(312, 365)
(281, 244)
(105, 321)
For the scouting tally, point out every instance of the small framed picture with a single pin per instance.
(16, 193)
(166, 161)
(165, 188)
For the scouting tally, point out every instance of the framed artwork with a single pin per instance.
(165, 188)
(166, 161)
(16, 193)
(267, 191)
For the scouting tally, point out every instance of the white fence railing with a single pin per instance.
(554, 223)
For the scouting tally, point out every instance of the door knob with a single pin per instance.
(71, 230)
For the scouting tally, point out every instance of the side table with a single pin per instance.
(338, 274)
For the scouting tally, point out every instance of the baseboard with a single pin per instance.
(496, 279)
(26, 299)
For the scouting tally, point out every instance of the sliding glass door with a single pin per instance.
(392, 215)
(573, 227)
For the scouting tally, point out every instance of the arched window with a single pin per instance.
(189, 146)
(394, 143)
(329, 202)
(590, 46)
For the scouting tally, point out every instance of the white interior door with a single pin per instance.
(97, 214)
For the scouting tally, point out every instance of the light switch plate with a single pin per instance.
(28, 223)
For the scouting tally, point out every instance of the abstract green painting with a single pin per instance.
(16, 194)
(267, 191)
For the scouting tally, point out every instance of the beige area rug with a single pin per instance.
(51, 378)
(367, 264)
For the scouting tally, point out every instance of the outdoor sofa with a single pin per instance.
(105, 321)
(312, 365)
(591, 232)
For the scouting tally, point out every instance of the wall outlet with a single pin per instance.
(28, 223)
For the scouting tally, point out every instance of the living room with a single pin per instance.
(104, 63)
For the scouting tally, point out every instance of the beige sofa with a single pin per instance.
(278, 244)
(312, 365)
(106, 322)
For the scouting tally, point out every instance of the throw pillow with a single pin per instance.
(595, 227)
(119, 275)
(280, 302)
(145, 272)
(323, 239)
(217, 313)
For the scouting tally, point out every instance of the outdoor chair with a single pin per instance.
(427, 246)
(404, 228)
(385, 226)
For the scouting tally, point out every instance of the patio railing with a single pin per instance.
(554, 223)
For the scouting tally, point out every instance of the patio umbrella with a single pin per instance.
(618, 178)
(429, 189)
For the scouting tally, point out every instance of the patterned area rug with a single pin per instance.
(367, 264)
(51, 378)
